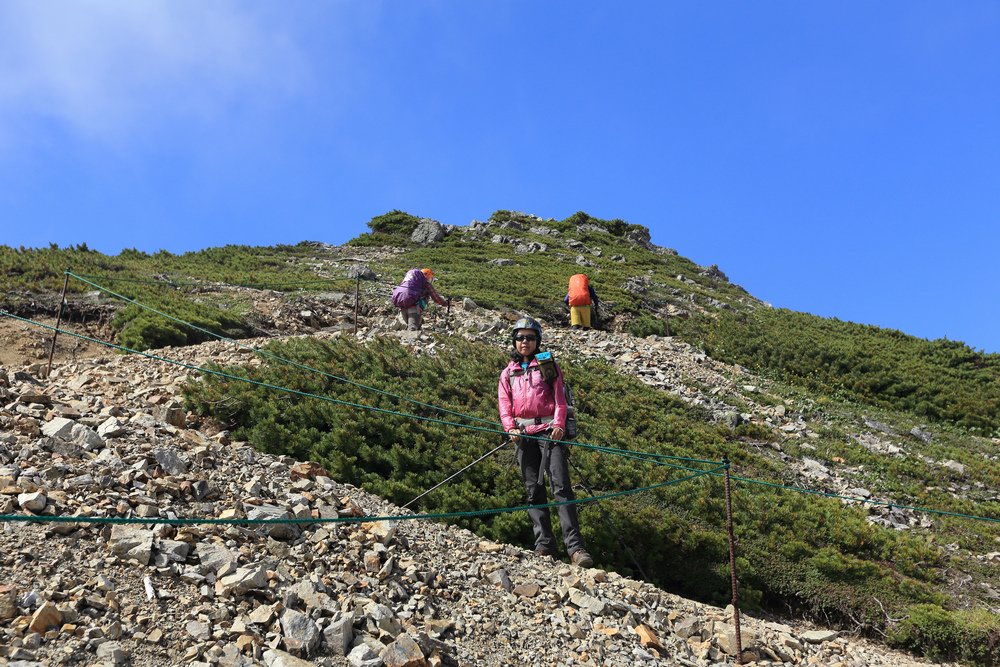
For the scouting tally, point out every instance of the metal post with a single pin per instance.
(447, 317)
(55, 332)
(732, 563)
(357, 289)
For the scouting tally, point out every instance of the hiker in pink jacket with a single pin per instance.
(533, 403)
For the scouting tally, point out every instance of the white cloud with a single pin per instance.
(109, 69)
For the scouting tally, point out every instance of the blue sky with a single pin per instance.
(838, 158)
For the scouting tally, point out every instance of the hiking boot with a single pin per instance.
(581, 558)
(544, 551)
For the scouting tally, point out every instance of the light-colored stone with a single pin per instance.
(403, 652)
(129, 541)
(819, 636)
(300, 632)
(32, 502)
(45, 618)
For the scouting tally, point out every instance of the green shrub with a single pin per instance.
(395, 222)
(794, 549)
(647, 325)
(940, 634)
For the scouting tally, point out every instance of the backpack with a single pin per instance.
(579, 290)
(409, 291)
(546, 360)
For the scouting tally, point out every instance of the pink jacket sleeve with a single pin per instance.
(559, 394)
(506, 402)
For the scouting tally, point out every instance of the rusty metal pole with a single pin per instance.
(357, 290)
(732, 563)
(447, 317)
(55, 332)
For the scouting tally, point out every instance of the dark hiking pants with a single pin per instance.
(529, 456)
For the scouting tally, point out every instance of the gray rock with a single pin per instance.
(404, 652)
(361, 271)
(112, 652)
(501, 579)
(501, 261)
(688, 626)
(587, 602)
(382, 618)
(276, 658)
(173, 551)
(530, 248)
(111, 427)
(199, 630)
(243, 580)
(428, 231)
(640, 236)
(879, 426)
(60, 427)
(214, 558)
(819, 636)
(339, 634)
(171, 463)
(70, 431)
(131, 542)
(300, 632)
(279, 531)
(32, 502)
(363, 656)
(949, 464)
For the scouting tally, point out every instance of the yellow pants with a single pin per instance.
(579, 316)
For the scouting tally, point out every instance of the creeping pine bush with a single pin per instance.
(801, 550)
(646, 325)
(940, 634)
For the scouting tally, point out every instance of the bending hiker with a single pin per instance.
(580, 299)
(411, 297)
(532, 404)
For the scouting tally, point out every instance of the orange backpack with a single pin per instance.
(579, 290)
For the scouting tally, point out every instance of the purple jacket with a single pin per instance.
(527, 395)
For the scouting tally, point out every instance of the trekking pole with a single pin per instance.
(55, 332)
(608, 522)
(495, 449)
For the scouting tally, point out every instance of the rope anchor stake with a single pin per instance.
(732, 561)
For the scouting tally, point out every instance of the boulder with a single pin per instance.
(132, 542)
(428, 231)
(45, 618)
(403, 652)
(300, 633)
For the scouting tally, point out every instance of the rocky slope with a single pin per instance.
(106, 436)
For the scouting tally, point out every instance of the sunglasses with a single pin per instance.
(525, 339)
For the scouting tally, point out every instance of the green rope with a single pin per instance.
(346, 519)
(759, 482)
(647, 456)
(371, 408)
(275, 357)
(182, 283)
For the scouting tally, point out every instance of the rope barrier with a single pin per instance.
(371, 408)
(265, 353)
(647, 456)
(885, 503)
(270, 355)
(210, 283)
(344, 519)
